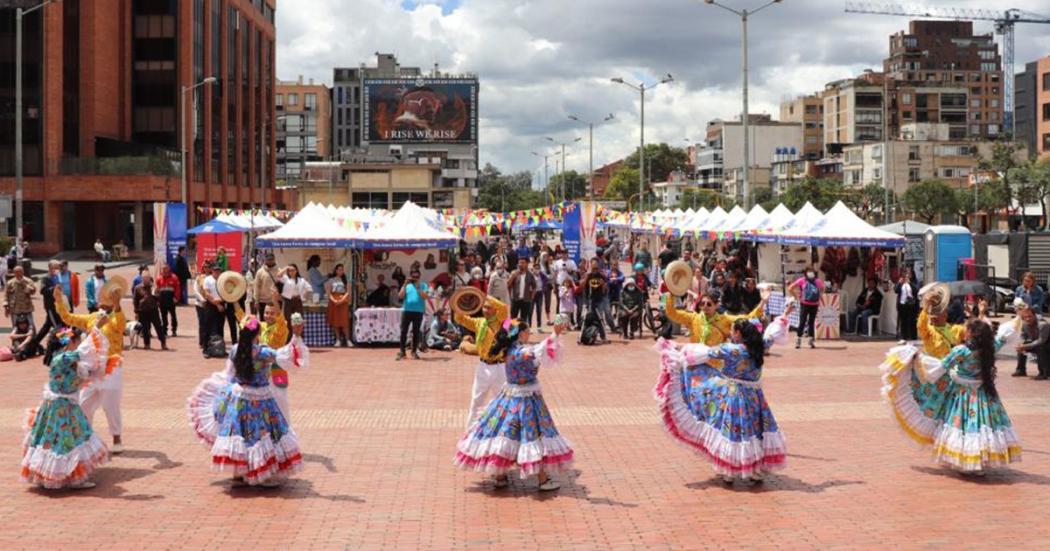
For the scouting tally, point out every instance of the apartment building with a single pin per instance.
(1032, 107)
(853, 111)
(809, 112)
(723, 149)
(304, 126)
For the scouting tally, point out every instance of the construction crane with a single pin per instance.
(1004, 25)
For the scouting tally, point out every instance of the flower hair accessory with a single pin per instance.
(297, 319)
(250, 323)
(65, 336)
(512, 327)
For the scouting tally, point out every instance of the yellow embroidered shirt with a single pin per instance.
(485, 329)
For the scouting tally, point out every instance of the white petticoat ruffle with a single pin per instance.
(499, 455)
(46, 468)
(199, 407)
(263, 462)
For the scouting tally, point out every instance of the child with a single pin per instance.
(60, 450)
(567, 300)
(516, 429)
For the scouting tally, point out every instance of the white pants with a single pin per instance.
(107, 394)
(488, 379)
(281, 396)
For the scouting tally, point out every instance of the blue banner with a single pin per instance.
(176, 215)
(570, 235)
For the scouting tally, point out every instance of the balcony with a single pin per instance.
(465, 173)
(153, 165)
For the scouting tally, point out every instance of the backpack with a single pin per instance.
(216, 347)
(810, 292)
(589, 335)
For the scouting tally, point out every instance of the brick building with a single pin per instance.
(102, 114)
(809, 112)
(1033, 107)
(604, 175)
(939, 72)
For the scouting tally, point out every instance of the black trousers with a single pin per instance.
(185, 297)
(151, 319)
(213, 320)
(415, 321)
(168, 318)
(231, 319)
(807, 320)
(521, 310)
(1042, 357)
(908, 319)
(537, 305)
(202, 326)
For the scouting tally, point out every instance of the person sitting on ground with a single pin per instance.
(22, 346)
(443, 334)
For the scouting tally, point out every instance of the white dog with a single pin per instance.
(132, 330)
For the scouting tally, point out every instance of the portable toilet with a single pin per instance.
(946, 246)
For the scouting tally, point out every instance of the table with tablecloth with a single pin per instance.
(316, 332)
(828, 314)
(381, 325)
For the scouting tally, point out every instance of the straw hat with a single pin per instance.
(935, 298)
(115, 287)
(678, 277)
(232, 286)
(467, 300)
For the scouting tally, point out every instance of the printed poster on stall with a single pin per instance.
(571, 232)
(588, 229)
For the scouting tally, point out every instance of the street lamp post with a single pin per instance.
(562, 145)
(744, 15)
(590, 129)
(182, 135)
(19, 156)
(546, 180)
(642, 88)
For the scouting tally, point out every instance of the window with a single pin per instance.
(876, 173)
(993, 129)
(1046, 111)
(953, 150)
(993, 116)
(975, 129)
(906, 99)
(987, 55)
(279, 100)
(994, 103)
(339, 95)
(913, 175)
(1046, 82)
(913, 153)
(1046, 142)
(812, 140)
(988, 67)
(310, 101)
(975, 116)
(975, 103)
(293, 100)
(876, 152)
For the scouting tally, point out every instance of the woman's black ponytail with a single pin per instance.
(752, 340)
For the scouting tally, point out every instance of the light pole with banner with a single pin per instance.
(642, 88)
(590, 129)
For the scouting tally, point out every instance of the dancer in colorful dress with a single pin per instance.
(109, 391)
(721, 412)
(516, 429)
(489, 372)
(273, 332)
(60, 449)
(239, 418)
(951, 404)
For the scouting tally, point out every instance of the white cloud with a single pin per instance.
(541, 60)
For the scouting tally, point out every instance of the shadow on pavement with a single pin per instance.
(811, 458)
(296, 488)
(998, 477)
(528, 489)
(107, 481)
(324, 460)
(774, 483)
(161, 458)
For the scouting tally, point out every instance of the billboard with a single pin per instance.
(421, 110)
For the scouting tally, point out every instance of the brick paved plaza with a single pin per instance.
(379, 438)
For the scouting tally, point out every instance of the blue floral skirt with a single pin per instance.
(60, 448)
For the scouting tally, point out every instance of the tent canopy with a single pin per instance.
(906, 227)
(411, 228)
(250, 222)
(311, 228)
(214, 226)
(540, 225)
(840, 227)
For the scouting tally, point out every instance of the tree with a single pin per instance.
(662, 158)
(1002, 161)
(507, 192)
(822, 193)
(623, 184)
(870, 202)
(931, 198)
(575, 185)
(696, 198)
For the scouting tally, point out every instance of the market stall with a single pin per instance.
(411, 235)
(215, 235)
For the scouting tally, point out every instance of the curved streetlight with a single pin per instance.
(744, 15)
(182, 136)
(590, 128)
(642, 88)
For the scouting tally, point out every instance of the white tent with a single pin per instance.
(840, 227)
(754, 221)
(733, 219)
(411, 228)
(310, 228)
(698, 223)
(251, 222)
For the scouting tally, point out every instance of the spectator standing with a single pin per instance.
(315, 276)
(215, 311)
(182, 272)
(733, 296)
(94, 286)
(266, 279)
(413, 295)
(70, 283)
(169, 290)
(522, 286)
(147, 311)
(498, 282)
(643, 256)
(907, 307)
(810, 290)
(18, 297)
(667, 256)
(295, 290)
(477, 279)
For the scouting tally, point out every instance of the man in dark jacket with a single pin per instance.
(632, 300)
(522, 286)
(182, 271)
(147, 310)
(907, 307)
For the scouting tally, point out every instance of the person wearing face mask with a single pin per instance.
(498, 283)
(107, 393)
(907, 306)
(809, 290)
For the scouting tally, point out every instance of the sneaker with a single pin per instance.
(726, 479)
(85, 485)
(400, 356)
(117, 449)
(415, 356)
(1019, 374)
(812, 344)
(501, 482)
(1041, 377)
(798, 343)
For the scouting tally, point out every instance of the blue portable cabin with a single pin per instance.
(946, 246)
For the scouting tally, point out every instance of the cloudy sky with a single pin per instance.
(542, 60)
